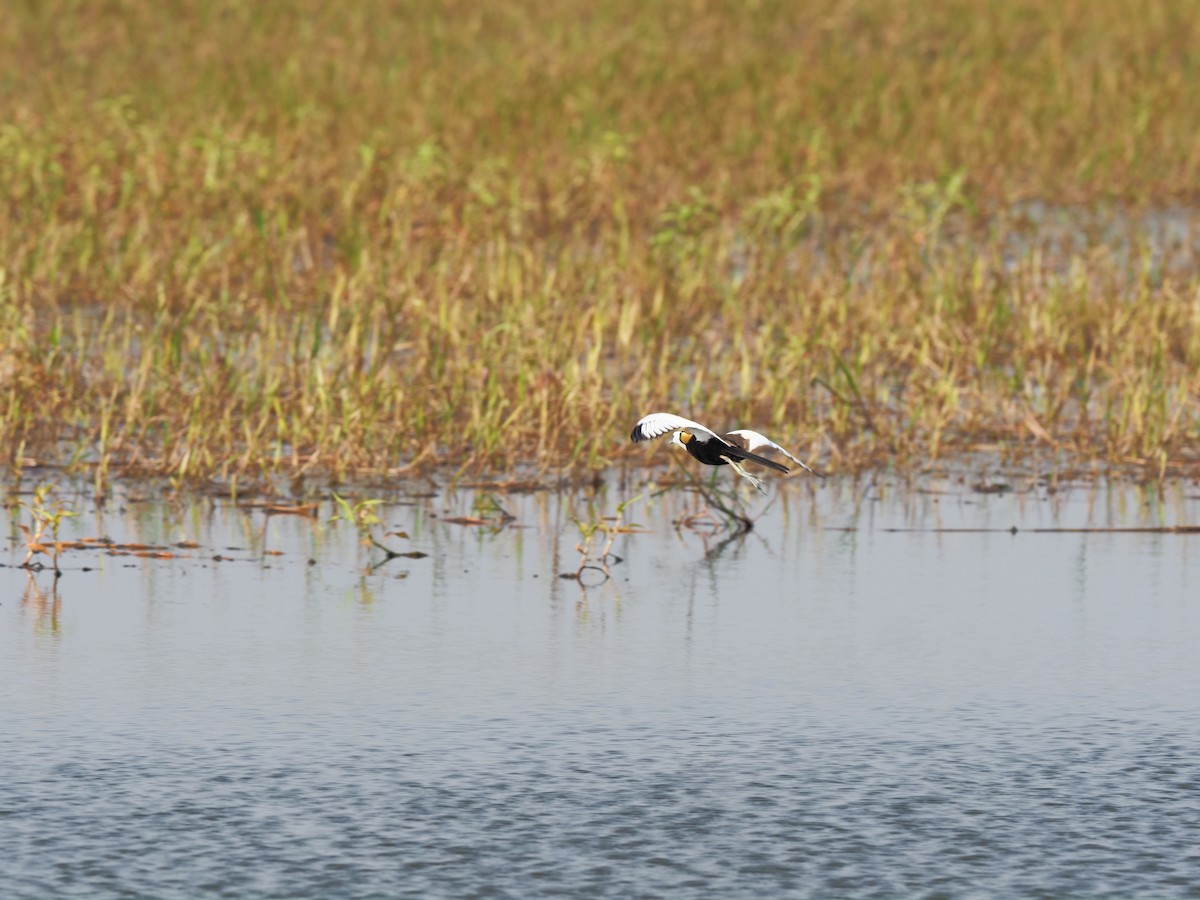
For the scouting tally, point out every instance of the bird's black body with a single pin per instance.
(716, 452)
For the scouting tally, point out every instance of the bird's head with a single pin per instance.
(681, 438)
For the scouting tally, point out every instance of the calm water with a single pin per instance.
(847, 701)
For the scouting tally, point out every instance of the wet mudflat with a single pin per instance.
(881, 690)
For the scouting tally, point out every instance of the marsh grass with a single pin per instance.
(240, 240)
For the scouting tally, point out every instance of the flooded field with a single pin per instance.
(883, 689)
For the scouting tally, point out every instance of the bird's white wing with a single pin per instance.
(756, 441)
(660, 423)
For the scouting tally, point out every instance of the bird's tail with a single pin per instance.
(740, 454)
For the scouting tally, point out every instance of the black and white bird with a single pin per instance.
(712, 449)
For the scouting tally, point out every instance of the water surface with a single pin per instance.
(857, 697)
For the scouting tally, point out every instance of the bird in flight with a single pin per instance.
(712, 449)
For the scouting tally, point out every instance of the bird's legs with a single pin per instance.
(754, 480)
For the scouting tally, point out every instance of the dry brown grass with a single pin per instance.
(239, 239)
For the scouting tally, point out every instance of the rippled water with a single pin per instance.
(853, 699)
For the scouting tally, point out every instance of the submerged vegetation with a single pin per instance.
(239, 240)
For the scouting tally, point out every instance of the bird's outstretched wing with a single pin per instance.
(756, 441)
(660, 423)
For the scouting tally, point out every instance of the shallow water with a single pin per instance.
(854, 698)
